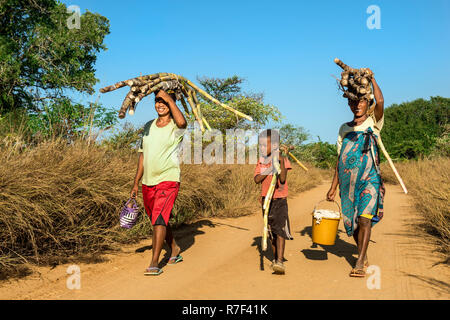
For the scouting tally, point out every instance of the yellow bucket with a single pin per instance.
(325, 232)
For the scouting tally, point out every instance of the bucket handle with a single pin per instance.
(131, 199)
(315, 206)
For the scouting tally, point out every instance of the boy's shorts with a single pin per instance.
(278, 219)
(159, 201)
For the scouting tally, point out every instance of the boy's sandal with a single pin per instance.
(153, 271)
(279, 268)
(175, 260)
(357, 273)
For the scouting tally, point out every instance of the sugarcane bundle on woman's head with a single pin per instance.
(180, 87)
(356, 84)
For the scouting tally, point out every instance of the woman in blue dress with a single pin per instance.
(357, 172)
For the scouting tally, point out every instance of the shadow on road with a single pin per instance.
(341, 248)
(184, 236)
(263, 254)
(437, 285)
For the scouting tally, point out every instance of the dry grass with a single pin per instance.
(59, 201)
(428, 182)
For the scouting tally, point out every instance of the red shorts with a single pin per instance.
(159, 201)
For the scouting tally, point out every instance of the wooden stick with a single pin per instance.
(383, 149)
(268, 199)
(194, 111)
(345, 67)
(298, 162)
(132, 108)
(185, 107)
(266, 207)
(206, 95)
(113, 87)
(206, 124)
(199, 110)
(129, 99)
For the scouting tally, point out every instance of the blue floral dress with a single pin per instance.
(360, 185)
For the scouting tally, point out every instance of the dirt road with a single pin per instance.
(222, 260)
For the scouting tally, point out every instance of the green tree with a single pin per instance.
(293, 135)
(321, 154)
(229, 91)
(40, 57)
(63, 118)
(413, 128)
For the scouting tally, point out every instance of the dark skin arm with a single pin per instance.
(332, 192)
(260, 177)
(379, 106)
(137, 178)
(177, 115)
(283, 174)
(281, 177)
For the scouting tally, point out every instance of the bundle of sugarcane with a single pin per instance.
(357, 82)
(268, 199)
(142, 86)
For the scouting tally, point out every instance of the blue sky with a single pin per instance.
(284, 49)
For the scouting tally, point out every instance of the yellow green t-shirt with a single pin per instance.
(160, 147)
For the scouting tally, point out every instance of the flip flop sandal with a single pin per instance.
(153, 271)
(272, 264)
(357, 273)
(279, 268)
(175, 260)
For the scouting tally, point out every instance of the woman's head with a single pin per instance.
(359, 107)
(161, 103)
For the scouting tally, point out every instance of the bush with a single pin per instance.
(412, 128)
(321, 154)
(427, 180)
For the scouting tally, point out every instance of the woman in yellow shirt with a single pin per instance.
(158, 164)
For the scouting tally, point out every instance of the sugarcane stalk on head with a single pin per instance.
(355, 82)
(144, 85)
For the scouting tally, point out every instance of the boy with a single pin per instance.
(159, 166)
(278, 219)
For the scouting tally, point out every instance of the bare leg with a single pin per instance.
(175, 249)
(159, 234)
(274, 248)
(355, 237)
(280, 248)
(365, 226)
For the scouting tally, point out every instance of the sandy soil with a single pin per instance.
(222, 260)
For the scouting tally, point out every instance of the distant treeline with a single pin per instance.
(417, 128)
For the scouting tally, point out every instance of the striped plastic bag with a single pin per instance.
(129, 214)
